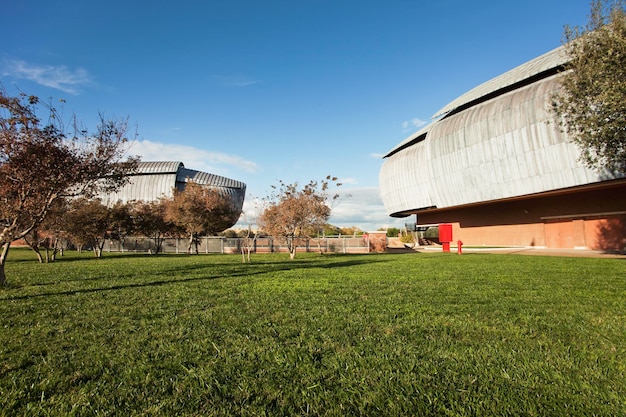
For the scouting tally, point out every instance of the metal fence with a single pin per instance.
(333, 244)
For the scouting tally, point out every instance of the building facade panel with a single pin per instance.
(499, 168)
(479, 157)
(155, 180)
(411, 177)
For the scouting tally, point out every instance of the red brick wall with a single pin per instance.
(588, 217)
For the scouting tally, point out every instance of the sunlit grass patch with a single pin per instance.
(411, 334)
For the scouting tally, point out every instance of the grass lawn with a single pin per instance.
(372, 334)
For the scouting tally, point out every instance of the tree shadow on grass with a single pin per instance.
(114, 255)
(126, 286)
(241, 270)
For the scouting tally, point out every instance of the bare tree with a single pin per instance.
(247, 240)
(248, 236)
(293, 213)
(201, 210)
(40, 163)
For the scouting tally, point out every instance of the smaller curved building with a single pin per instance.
(495, 164)
(155, 180)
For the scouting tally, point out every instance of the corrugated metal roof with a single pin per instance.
(408, 141)
(545, 62)
(157, 179)
(501, 148)
(204, 178)
(159, 167)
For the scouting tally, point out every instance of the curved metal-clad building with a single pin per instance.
(154, 180)
(496, 165)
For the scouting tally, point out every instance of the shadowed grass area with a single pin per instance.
(378, 334)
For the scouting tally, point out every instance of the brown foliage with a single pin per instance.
(87, 223)
(40, 163)
(377, 242)
(590, 105)
(50, 235)
(294, 212)
(199, 211)
(150, 220)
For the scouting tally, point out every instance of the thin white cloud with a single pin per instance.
(417, 123)
(193, 158)
(364, 209)
(348, 180)
(236, 80)
(377, 155)
(252, 209)
(413, 124)
(59, 77)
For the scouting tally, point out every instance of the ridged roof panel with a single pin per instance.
(159, 167)
(205, 178)
(406, 142)
(547, 61)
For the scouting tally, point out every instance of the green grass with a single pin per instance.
(376, 335)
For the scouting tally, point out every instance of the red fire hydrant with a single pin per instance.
(459, 247)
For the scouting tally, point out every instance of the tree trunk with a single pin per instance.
(158, 244)
(56, 248)
(98, 247)
(193, 243)
(3, 258)
(34, 246)
(38, 253)
(319, 245)
(245, 250)
(292, 245)
(246, 246)
(53, 257)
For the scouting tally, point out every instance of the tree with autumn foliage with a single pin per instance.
(293, 213)
(591, 103)
(150, 220)
(41, 162)
(200, 210)
(90, 223)
(87, 224)
(49, 236)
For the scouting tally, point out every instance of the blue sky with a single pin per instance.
(261, 91)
